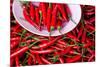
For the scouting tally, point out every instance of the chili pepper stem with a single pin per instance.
(32, 44)
(51, 29)
(70, 17)
(40, 19)
(59, 29)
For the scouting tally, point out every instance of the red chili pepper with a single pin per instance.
(90, 27)
(73, 59)
(28, 18)
(24, 49)
(37, 16)
(60, 46)
(83, 37)
(15, 28)
(72, 36)
(44, 15)
(89, 13)
(17, 61)
(80, 32)
(45, 60)
(38, 59)
(48, 20)
(73, 52)
(59, 26)
(53, 5)
(14, 44)
(12, 62)
(62, 42)
(61, 60)
(57, 48)
(29, 60)
(45, 45)
(61, 9)
(29, 41)
(32, 11)
(87, 45)
(91, 20)
(65, 51)
(90, 58)
(15, 39)
(42, 52)
(53, 19)
(68, 11)
(76, 47)
(91, 51)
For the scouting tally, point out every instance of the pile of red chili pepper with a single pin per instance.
(48, 16)
(76, 46)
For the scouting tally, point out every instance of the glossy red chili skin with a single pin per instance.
(48, 20)
(80, 33)
(32, 11)
(26, 16)
(72, 36)
(74, 59)
(14, 44)
(68, 11)
(37, 16)
(38, 59)
(43, 10)
(42, 52)
(45, 60)
(59, 25)
(29, 60)
(24, 49)
(45, 45)
(83, 40)
(62, 11)
(53, 19)
(17, 61)
(65, 51)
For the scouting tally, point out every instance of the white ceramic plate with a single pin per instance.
(76, 15)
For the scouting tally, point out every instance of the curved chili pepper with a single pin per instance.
(62, 11)
(60, 46)
(89, 13)
(15, 38)
(91, 58)
(42, 52)
(65, 51)
(74, 59)
(72, 36)
(57, 48)
(28, 18)
(47, 44)
(90, 27)
(62, 42)
(61, 60)
(24, 49)
(45, 60)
